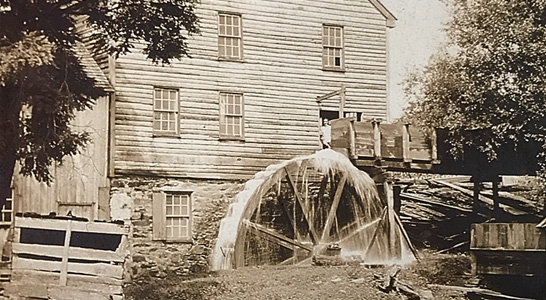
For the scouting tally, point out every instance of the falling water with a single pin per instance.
(360, 225)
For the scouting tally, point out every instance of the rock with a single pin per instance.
(336, 280)
(359, 280)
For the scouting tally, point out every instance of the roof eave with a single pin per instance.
(391, 19)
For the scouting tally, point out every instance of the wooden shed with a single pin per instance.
(508, 249)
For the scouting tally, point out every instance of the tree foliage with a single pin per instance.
(42, 81)
(491, 75)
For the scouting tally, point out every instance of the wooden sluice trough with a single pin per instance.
(66, 259)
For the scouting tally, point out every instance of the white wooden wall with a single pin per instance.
(281, 75)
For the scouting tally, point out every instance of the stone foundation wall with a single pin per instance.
(131, 200)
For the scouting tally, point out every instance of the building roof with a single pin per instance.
(91, 67)
(391, 19)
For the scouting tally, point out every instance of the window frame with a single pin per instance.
(223, 114)
(239, 38)
(341, 47)
(4, 211)
(160, 216)
(166, 133)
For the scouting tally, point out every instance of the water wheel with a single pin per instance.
(309, 206)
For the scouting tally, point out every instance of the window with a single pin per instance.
(231, 116)
(166, 120)
(6, 214)
(229, 36)
(172, 216)
(332, 47)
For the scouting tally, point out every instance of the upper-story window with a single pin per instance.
(166, 110)
(332, 47)
(231, 116)
(229, 36)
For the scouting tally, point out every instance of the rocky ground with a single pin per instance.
(315, 282)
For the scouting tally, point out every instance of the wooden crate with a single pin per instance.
(67, 259)
(508, 249)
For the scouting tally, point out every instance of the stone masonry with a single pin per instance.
(131, 200)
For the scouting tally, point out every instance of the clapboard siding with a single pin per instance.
(280, 76)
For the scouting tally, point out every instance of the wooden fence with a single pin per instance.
(508, 249)
(66, 259)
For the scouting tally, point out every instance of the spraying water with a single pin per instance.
(303, 207)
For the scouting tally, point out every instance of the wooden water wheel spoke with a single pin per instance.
(275, 236)
(312, 231)
(333, 210)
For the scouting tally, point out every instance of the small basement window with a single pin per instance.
(172, 216)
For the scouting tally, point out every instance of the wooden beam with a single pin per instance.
(329, 95)
(276, 237)
(312, 231)
(333, 210)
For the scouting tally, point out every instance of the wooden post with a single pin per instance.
(496, 206)
(352, 140)
(406, 143)
(342, 101)
(476, 196)
(434, 145)
(376, 139)
(393, 247)
(64, 262)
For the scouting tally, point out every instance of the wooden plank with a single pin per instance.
(30, 277)
(70, 293)
(81, 283)
(79, 279)
(74, 253)
(97, 269)
(34, 264)
(276, 237)
(24, 291)
(59, 224)
(333, 209)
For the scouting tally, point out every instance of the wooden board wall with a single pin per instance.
(78, 181)
(280, 76)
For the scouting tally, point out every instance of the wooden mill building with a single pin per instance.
(174, 143)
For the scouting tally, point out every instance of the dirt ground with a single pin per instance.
(311, 282)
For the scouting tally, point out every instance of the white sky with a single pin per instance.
(418, 34)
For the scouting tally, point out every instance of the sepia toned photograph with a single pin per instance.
(272, 149)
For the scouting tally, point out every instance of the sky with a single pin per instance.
(419, 33)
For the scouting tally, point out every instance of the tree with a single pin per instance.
(492, 75)
(42, 83)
